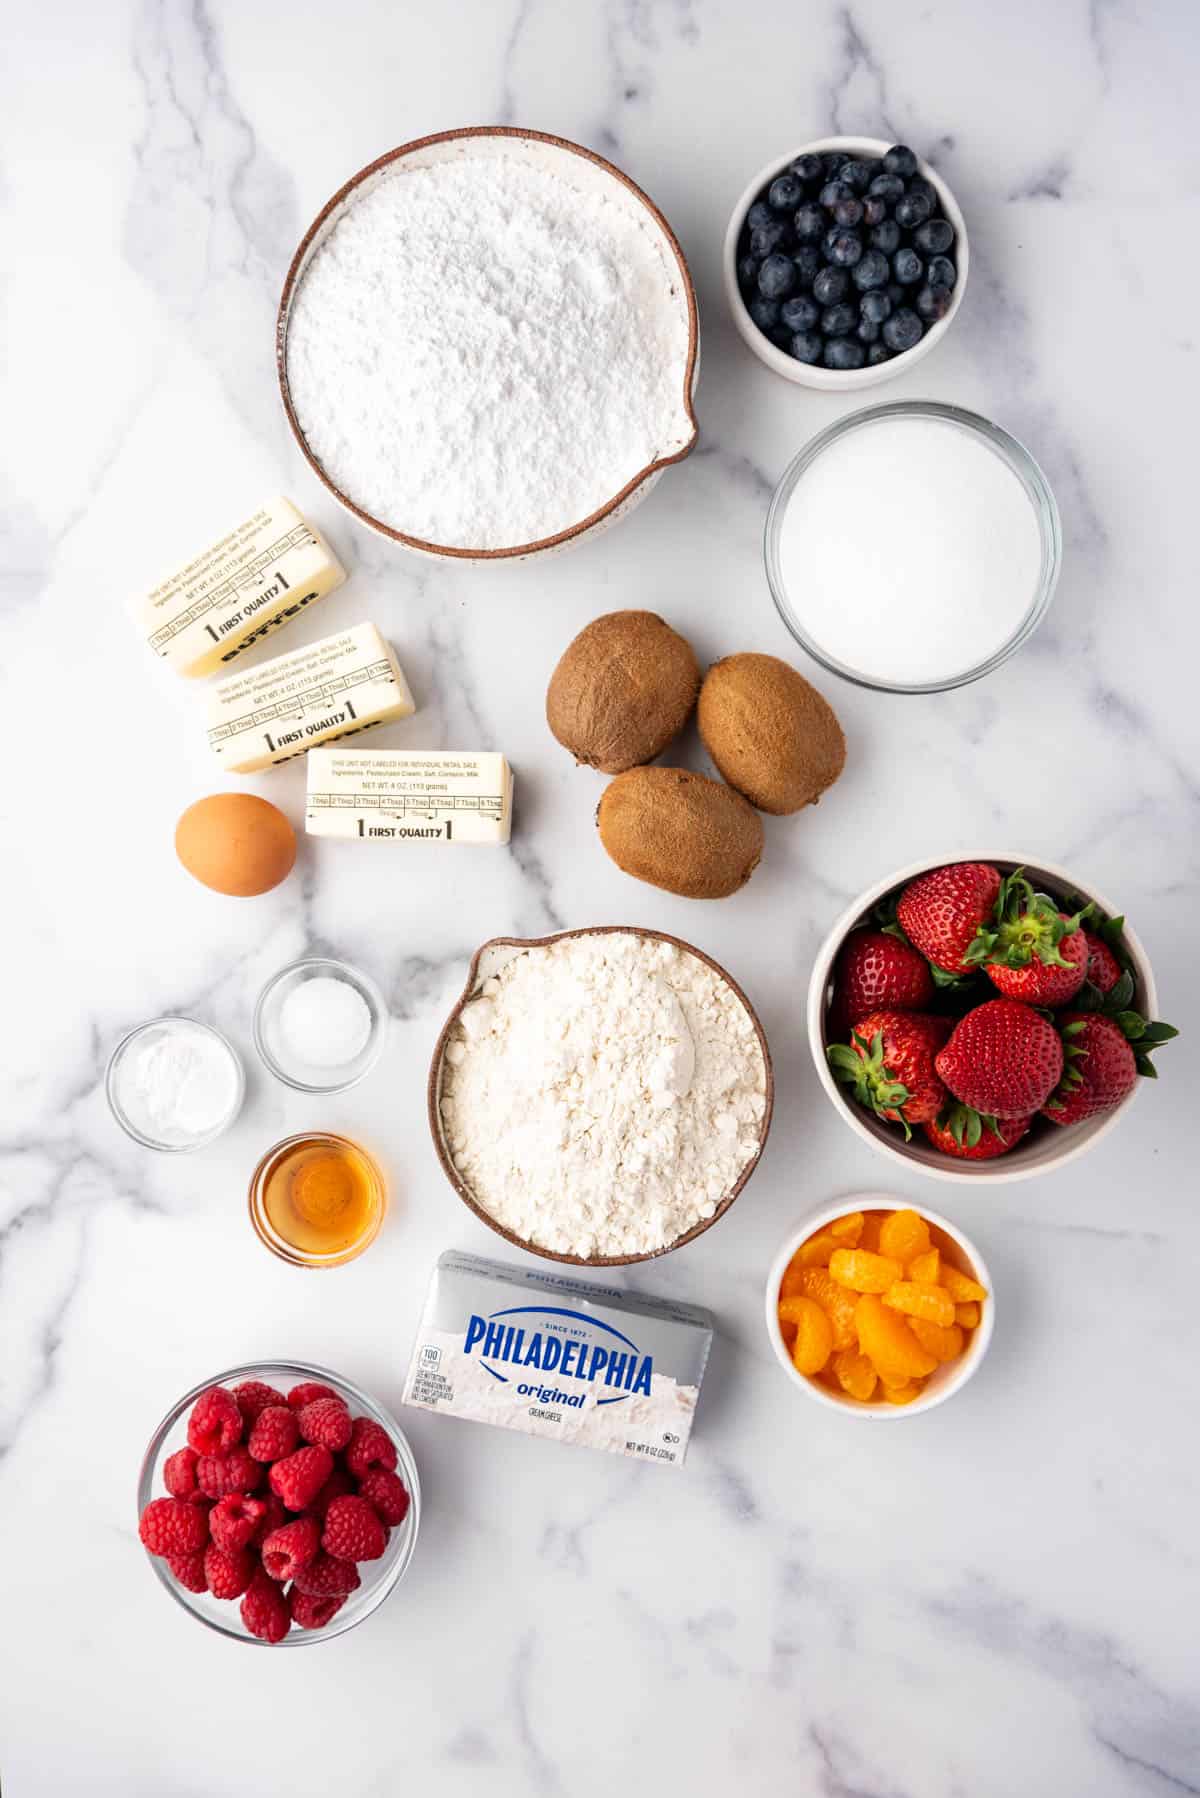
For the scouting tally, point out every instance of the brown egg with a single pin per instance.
(236, 844)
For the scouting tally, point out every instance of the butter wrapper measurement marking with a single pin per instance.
(426, 795)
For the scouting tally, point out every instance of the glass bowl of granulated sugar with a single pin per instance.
(487, 345)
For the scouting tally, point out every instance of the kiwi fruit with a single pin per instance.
(771, 735)
(680, 831)
(623, 690)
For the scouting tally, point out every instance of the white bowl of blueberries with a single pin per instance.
(845, 262)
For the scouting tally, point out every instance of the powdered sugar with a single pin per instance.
(482, 354)
(603, 1094)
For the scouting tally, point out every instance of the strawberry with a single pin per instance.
(1104, 1056)
(1042, 981)
(889, 1063)
(1103, 968)
(1030, 949)
(1003, 1059)
(876, 971)
(963, 1133)
(941, 912)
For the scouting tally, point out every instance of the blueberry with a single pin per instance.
(843, 353)
(806, 346)
(934, 237)
(902, 330)
(809, 223)
(765, 313)
(887, 187)
(781, 337)
(856, 174)
(839, 321)
(831, 161)
(933, 303)
(878, 353)
(919, 185)
(871, 271)
(885, 237)
(808, 169)
(747, 273)
(907, 267)
(866, 332)
(912, 210)
(941, 272)
(896, 294)
(843, 248)
(900, 160)
(832, 192)
(777, 277)
(759, 214)
(830, 285)
(875, 307)
(809, 262)
(785, 193)
(848, 213)
(800, 313)
(874, 210)
(765, 238)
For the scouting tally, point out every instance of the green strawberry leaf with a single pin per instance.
(1088, 998)
(1146, 1067)
(1132, 1023)
(1153, 1034)
(1121, 995)
(945, 981)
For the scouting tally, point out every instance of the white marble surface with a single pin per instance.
(997, 1598)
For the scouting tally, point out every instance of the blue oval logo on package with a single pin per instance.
(555, 1340)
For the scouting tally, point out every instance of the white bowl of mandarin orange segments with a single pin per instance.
(1006, 1014)
(878, 1309)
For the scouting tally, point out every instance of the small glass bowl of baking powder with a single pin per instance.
(320, 1025)
(174, 1084)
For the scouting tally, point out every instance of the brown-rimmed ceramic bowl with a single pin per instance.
(583, 168)
(486, 962)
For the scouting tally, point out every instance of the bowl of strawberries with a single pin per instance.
(989, 1018)
(278, 1503)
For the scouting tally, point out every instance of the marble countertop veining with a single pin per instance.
(997, 1598)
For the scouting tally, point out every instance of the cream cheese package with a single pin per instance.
(427, 795)
(553, 1356)
(261, 574)
(336, 688)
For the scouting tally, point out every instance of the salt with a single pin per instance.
(909, 551)
(325, 1022)
(482, 354)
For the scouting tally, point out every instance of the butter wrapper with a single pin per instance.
(553, 1356)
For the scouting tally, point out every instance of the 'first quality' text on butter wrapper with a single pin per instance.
(558, 1357)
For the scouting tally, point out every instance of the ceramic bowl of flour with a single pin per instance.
(642, 1099)
(487, 345)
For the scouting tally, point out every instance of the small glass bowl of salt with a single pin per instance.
(174, 1084)
(320, 1025)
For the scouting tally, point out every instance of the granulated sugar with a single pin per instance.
(482, 355)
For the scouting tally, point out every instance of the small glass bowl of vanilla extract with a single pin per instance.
(317, 1200)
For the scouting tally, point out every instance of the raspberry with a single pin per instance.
(298, 1478)
(233, 1521)
(328, 1578)
(215, 1425)
(308, 1394)
(337, 1485)
(253, 1398)
(294, 1546)
(326, 1421)
(219, 1475)
(172, 1526)
(386, 1493)
(369, 1447)
(311, 1612)
(228, 1575)
(274, 1518)
(264, 1609)
(275, 1433)
(179, 1474)
(189, 1570)
(352, 1531)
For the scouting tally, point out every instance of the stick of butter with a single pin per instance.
(430, 795)
(265, 571)
(343, 684)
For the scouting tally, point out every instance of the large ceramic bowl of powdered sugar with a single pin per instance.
(487, 344)
(601, 1096)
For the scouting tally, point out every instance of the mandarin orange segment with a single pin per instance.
(903, 1395)
(864, 1271)
(817, 1250)
(854, 1374)
(885, 1337)
(789, 1286)
(945, 1341)
(902, 1235)
(869, 1235)
(918, 1300)
(960, 1286)
(814, 1336)
(834, 1300)
(848, 1229)
(967, 1315)
(926, 1267)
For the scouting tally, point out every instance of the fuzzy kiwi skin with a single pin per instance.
(680, 831)
(771, 735)
(622, 690)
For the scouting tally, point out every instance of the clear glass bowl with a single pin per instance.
(378, 1577)
(112, 1081)
(1010, 451)
(302, 1077)
(279, 1245)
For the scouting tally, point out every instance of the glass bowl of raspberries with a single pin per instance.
(989, 1018)
(278, 1503)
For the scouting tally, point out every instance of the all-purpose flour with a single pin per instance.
(482, 355)
(603, 1094)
